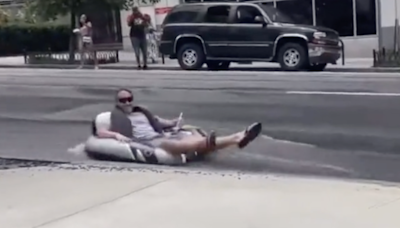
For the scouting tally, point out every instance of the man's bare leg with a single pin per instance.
(83, 57)
(199, 143)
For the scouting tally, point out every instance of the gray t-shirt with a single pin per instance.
(141, 127)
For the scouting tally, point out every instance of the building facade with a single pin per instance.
(364, 25)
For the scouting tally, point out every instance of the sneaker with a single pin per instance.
(251, 133)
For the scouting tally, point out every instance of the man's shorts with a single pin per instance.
(156, 142)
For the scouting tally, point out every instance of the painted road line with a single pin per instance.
(287, 142)
(344, 93)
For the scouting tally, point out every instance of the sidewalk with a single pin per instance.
(155, 198)
(127, 62)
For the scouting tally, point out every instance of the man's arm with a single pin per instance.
(104, 133)
(165, 123)
(146, 20)
(103, 124)
(129, 20)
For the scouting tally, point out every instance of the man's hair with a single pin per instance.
(122, 89)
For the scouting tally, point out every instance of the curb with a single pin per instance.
(74, 67)
(171, 68)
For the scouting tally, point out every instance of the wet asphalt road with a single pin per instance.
(43, 113)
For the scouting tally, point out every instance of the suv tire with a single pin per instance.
(191, 56)
(218, 65)
(317, 67)
(299, 57)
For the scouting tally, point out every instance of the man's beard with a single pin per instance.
(127, 108)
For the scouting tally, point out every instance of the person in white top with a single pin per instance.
(86, 40)
(128, 121)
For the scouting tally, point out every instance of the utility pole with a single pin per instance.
(396, 28)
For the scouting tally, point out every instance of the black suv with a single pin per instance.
(220, 33)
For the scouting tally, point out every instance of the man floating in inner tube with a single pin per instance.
(127, 122)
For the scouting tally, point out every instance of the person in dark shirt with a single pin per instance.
(138, 24)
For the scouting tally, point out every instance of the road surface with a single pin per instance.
(329, 124)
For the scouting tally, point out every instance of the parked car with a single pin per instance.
(220, 33)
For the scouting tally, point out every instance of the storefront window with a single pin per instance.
(181, 17)
(366, 17)
(300, 11)
(276, 15)
(335, 14)
(192, 1)
(259, 1)
(219, 0)
(267, 3)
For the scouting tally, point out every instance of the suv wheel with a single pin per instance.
(191, 56)
(292, 56)
(317, 67)
(218, 65)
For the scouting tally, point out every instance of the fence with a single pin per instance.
(386, 58)
(107, 53)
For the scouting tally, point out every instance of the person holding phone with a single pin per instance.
(86, 40)
(138, 24)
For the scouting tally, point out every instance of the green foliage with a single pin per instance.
(20, 37)
(15, 15)
(50, 9)
(4, 16)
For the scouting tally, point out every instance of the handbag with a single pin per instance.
(87, 39)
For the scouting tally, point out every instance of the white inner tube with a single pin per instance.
(131, 151)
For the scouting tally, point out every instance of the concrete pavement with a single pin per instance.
(64, 197)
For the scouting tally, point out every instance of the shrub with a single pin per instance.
(15, 39)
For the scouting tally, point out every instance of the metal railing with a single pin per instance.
(342, 50)
(11, 3)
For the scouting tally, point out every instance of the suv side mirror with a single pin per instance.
(260, 20)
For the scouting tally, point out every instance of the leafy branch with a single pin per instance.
(51, 9)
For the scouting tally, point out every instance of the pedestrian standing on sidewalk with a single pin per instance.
(152, 43)
(138, 24)
(86, 40)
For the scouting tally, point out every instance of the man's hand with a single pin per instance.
(178, 122)
(122, 138)
(129, 20)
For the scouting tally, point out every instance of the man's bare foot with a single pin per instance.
(239, 137)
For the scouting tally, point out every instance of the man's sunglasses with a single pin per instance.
(125, 100)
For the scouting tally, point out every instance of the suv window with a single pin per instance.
(217, 14)
(276, 15)
(182, 16)
(247, 15)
